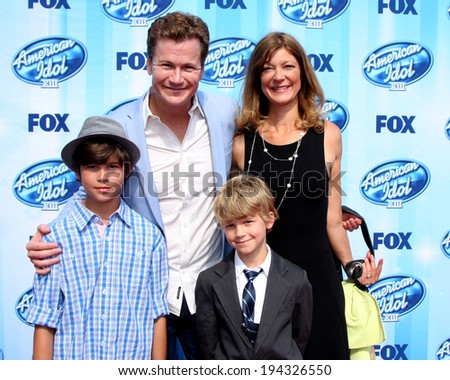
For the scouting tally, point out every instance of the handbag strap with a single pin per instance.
(364, 228)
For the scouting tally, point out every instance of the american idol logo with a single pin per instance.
(445, 244)
(23, 305)
(337, 113)
(397, 65)
(397, 296)
(50, 60)
(312, 13)
(443, 351)
(135, 12)
(226, 61)
(392, 183)
(45, 184)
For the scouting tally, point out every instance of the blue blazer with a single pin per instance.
(139, 191)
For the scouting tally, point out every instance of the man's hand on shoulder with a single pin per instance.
(42, 254)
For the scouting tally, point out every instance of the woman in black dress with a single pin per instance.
(285, 139)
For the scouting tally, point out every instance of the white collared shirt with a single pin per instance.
(181, 172)
(260, 282)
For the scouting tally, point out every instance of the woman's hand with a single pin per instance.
(371, 271)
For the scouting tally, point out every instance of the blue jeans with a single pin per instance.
(182, 335)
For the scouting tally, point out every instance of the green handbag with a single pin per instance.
(364, 324)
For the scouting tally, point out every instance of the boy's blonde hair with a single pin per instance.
(244, 196)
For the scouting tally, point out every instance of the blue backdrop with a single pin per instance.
(384, 66)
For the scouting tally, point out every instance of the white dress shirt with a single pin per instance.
(260, 282)
(182, 174)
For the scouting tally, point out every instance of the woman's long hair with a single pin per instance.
(255, 105)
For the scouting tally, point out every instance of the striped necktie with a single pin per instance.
(248, 305)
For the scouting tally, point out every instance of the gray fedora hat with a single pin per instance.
(100, 126)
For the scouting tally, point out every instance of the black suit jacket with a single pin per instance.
(285, 321)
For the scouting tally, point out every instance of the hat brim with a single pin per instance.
(68, 151)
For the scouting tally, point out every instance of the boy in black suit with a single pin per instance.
(265, 314)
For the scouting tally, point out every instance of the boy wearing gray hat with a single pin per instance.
(106, 299)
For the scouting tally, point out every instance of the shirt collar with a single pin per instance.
(196, 106)
(265, 266)
(147, 112)
(83, 216)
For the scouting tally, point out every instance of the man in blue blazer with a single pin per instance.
(185, 138)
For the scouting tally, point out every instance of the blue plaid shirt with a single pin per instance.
(106, 292)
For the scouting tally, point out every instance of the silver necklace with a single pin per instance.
(292, 158)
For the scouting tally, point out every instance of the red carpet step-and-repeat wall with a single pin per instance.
(384, 66)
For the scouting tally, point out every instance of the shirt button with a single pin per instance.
(103, 316)
(105, 291)
(105, 264)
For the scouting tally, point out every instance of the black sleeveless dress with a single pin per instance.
(300, 234)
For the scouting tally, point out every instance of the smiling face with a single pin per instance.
(176, 71)
(280, 78)
(248, 237)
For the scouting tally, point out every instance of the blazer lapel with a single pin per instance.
(226, 291)
(215, 136)
(135, 128)
(276, 291)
